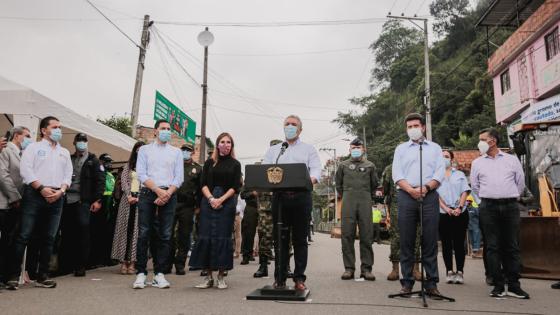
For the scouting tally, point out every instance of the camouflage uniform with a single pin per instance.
(264, 228)
(390, 192)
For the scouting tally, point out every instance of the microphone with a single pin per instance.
(282, 150)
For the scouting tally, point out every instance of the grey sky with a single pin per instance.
(89, 67)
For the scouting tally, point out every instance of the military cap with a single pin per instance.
(187, 147)
(80, 136)
(357, 142)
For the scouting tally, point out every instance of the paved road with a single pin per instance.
(104, 291)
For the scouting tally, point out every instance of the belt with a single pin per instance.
(148, 189)
(500, 200)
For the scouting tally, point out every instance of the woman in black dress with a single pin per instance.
(221, 180)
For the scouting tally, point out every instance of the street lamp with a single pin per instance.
(205, 38)
(334, 182)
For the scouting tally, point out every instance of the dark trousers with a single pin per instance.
(38, 214)
(376, 233)
(248, 231)
(182, 229)
(76, 233)
(500, 221)
(9, 219)
(148, 211)
(452, 232)
(409, 216)
(296, 211)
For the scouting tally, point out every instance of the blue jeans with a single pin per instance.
(37, 213)
(474, 228)
(147, 212)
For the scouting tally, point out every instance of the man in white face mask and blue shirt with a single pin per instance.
(410, 190)
(296, 206)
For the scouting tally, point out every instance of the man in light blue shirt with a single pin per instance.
(160, 170)
(413, 189)
(296, 206)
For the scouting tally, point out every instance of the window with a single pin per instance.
(504, 80)
(552, 44)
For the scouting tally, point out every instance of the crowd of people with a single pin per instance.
(165, 206)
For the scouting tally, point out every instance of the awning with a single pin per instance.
(508, 13)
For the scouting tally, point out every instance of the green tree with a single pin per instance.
(119, 123)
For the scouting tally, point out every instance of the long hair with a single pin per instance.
(216, 153)
(134, 155)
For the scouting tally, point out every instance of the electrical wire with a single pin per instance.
(317, 52)
(407, 5)
(264, 114)
(420, 7)
(115, 25)
(393, 6)
(266, 102)
(165, 64)
(277, 24)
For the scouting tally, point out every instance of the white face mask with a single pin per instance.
(414, 133)
(483, 147)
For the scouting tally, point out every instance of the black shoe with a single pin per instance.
(80, 272)
(180, 271)
(262, 272)
(2, 286)
(517, 292)
(498, 291)
(251, 258)
(12, 284)
(555, 285)
(245, 261)
(45, 282)
(225, 273)
(489, 281)
(204, 273)
(310, 240)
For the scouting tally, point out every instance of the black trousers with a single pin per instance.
(9, 220)
(408, 218)
(181, 237)
(248, 231)
(76, 234)
(296, 212)
(452, 232)
(500, 224)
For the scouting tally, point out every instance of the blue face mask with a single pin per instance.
(56, 134)
(186, 155)
(290, 132)
(164, 135)
(26, 142)
(447, 162)
(81, 146)
(356, 153)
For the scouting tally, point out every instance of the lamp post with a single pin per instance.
(331, 178)
(205, 38)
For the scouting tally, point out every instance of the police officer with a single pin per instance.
(356, 181)
(390, 192)
(188, 201)
(264, 229)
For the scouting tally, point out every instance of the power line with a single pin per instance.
(115, 25)
(264, 115)
(59, 19)
(316, 52)
(171, 79)
(278, 24)
(420, 7)
(394, 3)
(407, 5)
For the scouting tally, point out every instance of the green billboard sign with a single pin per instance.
(181, 124)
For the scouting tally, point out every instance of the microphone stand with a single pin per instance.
(422, 292)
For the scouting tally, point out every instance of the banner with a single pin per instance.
(181, 124)
(546, 110)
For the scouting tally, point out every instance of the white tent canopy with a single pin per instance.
(20, 105)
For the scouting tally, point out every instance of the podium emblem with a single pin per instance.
(275, 175)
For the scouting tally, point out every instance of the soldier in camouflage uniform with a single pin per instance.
(390, 192)
(264, 229)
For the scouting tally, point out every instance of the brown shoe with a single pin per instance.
(394, 274)
(433, 293)
(300, 286)
(405, 290)
(347, 275)
(416, 272)
(368, 275)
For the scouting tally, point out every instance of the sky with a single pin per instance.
(65, 50)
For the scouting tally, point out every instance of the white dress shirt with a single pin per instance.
(52, 167)
(162, 163)
(298, 152)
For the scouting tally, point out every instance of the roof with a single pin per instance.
(506, 12)
(25, 104)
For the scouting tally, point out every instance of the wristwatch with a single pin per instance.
(428, 188)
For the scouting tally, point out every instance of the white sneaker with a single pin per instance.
(450, 278)
(140, 282)
(459, 278)
(160, 281)
(222, 283)
(208, 283)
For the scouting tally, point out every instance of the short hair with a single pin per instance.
(450, 153)
(17, 130)
(492, 132)
(296, 117)
(415, 116)
(45, 122)
(159, 122)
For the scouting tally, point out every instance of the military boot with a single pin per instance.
(263, 268)
(416, 272)
(394, 274)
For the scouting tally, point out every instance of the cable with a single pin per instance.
(166, 69)
(407, 5)
(407, 307)
(115, 25)
(264, 115)
(58, 19)
(394, 3)
(278, 24)
(272, 103)
(317, 52)
(119, 12)
(420, 7)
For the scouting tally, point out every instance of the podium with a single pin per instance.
(278, 178)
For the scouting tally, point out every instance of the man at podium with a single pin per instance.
(296, 206)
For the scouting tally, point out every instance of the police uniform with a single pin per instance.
(188, 199)
(389, 189)
(356, 180)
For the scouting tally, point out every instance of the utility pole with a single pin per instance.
(331, 178)
(426, 68)
(205, 38)
(145, 39)
(365, 140)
